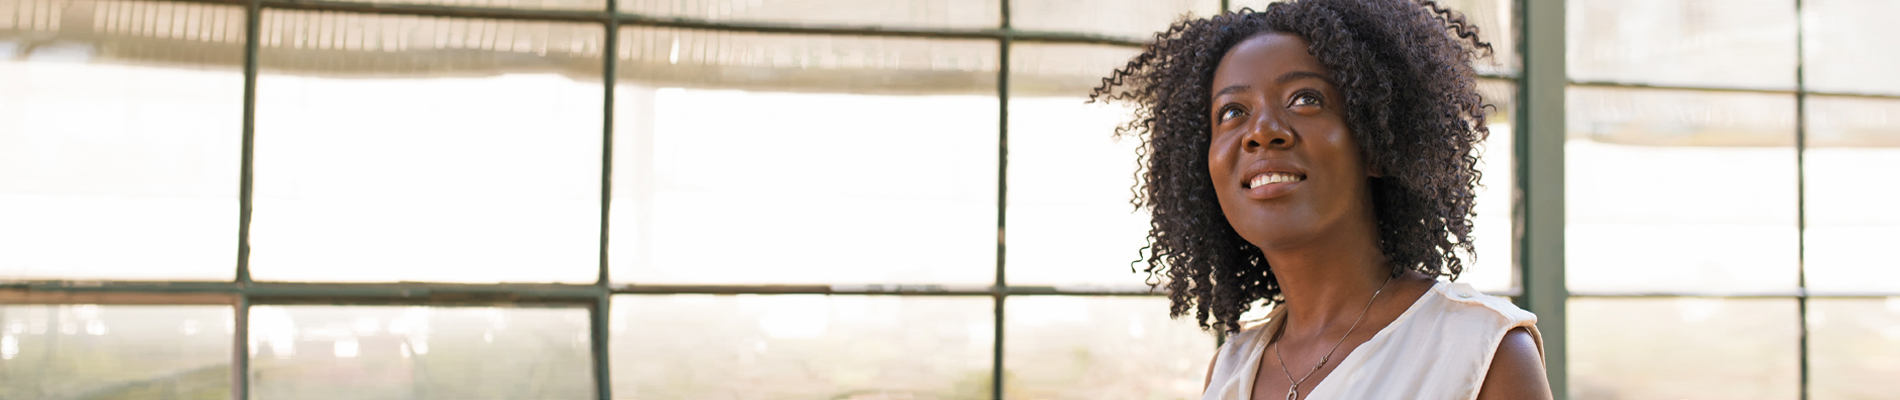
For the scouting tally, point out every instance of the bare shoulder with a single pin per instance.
(1517, 370)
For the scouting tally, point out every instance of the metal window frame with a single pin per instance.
(1538, 211)
(1541, 137)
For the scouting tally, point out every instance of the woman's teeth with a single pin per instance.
(1272, 178)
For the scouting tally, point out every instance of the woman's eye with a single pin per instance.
(1231, 113)
(1306, 99)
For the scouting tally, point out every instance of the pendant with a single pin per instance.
(1293, 393)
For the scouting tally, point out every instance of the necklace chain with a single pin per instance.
(1293, 392)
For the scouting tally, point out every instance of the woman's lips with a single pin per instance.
(1271, 184)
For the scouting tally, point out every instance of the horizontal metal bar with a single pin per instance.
(423, 293)
(122, 286)
(309, 293)
(920, 290)
(1633, 85)
(442, 293)
(21, 296)
(1789, 294)
(992, 34)
(632, 19)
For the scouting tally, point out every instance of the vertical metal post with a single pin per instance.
(1000, 292)
(1540, 179)
(240, 348)
(241, 312)
(248, 132)
(1801, 190)
(610, 57)
(603, 381)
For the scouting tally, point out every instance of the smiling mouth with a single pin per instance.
(1269, 178)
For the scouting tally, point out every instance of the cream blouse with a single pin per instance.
(1439, 348)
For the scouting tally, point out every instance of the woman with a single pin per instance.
(1318, 157)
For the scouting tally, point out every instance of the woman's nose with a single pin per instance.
(1269, 132)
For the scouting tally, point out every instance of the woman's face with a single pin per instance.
(1285, 167)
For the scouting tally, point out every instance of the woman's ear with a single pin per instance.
(1374, 170)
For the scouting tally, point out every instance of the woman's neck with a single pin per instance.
(1331, 290)
(1329, 282)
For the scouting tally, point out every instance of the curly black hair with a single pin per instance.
(1411, 101)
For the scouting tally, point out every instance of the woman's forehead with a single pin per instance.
(1269, 58)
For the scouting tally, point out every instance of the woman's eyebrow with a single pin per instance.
(1230, 89)
(1282, 80)
(1297, 75)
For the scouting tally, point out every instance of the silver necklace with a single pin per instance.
(1293, 392)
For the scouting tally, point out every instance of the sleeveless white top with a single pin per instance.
(1439, 348)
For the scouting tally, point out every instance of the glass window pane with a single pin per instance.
(1854, 347)
(119, 139)
(892, 13)
(1736, 43)
(1679, 190)
(790, 145)
(115, 352)
(1853, 155)
(1494, 19)
(1070, 222)
(1072, 347)
(330, 352)
(1849, 47)
(1494, 270)
(1132, 19)
(801, 347)
(400, 148)
(1683, 348)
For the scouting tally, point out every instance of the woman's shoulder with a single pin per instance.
(1440, 349)
(1464, 320)
(1462, 300)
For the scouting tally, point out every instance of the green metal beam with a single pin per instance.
(603, 302)
(1801, 192)
(1001, 289)
(1540, 180)
(240, 338)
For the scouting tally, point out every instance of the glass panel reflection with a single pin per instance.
(119, 139)
(1133, 19)
(894, 13)
(390, 148)
(1845, 48)
(87, 351)
(1492, 269)
(1062, 70)
(1853, 154)
(1683, 348)
(330, 352)
(1854, 347)
(788, 144)
(1068, 347)
(699, 59)
(1070, 220)
(1740, 43)
(1673, 190)
(801, 347)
